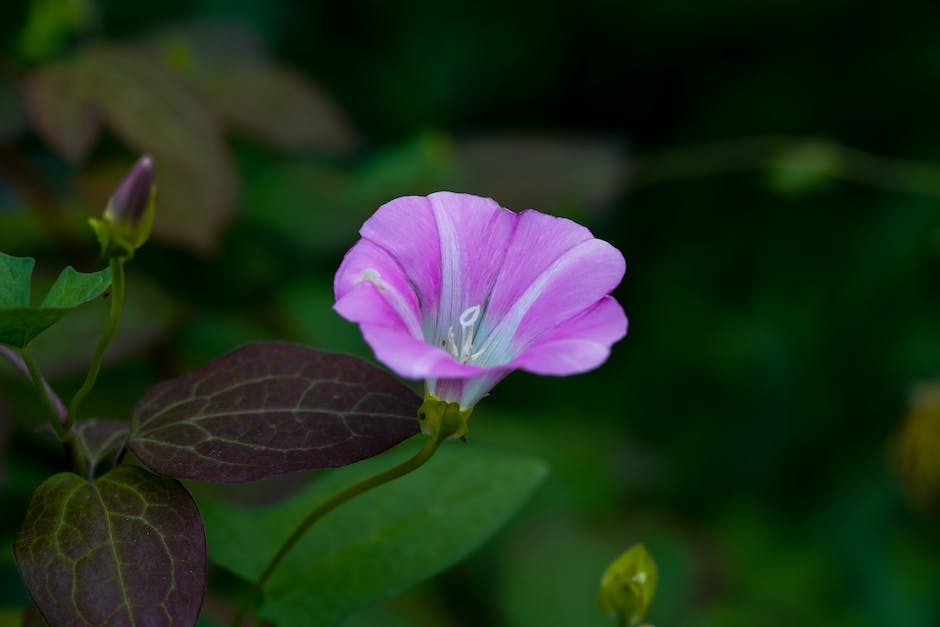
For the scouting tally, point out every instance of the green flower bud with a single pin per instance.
(917, 451)
(442, 420)
(128, 218)
(628, 586)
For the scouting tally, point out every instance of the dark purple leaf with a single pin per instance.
(276, 106)
(154, 111)
(271, 408)
(32, 617)
(60, 104)
(251, 93)
(128, 549)
(96, 439)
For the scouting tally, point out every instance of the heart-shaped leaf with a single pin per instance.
(20, 323)
(379, 544)
(276, 106)
(128, 549)
(270, 408)
(155, 112)
(247, 90)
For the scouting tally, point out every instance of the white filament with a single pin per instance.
(468, 323)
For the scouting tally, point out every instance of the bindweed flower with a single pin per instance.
(455, 290)
(128, 218)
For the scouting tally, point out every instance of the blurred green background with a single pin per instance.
(766, 168)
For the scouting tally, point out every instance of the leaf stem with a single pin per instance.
(117, 306)
(39, 384)
(62, 429)
(324, 508)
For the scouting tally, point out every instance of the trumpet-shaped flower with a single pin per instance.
(455, 290)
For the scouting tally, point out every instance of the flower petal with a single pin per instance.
(466, 392)
(412, 358)
(367, 263)
(449, 246)
(581, 344)
(474, 237)
(406, 230)
(537, 242)
(571, 284)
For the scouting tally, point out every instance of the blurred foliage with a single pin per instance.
(770, 170)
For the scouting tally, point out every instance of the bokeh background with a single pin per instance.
(770, 170)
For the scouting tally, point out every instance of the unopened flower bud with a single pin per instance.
(628, 586)
(917, 451)
(128, 218)
(130, 200)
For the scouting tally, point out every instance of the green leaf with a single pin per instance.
(51, 24)
(379, 544)
(126, 549)
(148, 311)
(15, 279)
(19, 322)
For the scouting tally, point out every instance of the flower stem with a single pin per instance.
(117, 306)
(324, 508)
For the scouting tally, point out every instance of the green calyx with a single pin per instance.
(442, 420)
(120, 237)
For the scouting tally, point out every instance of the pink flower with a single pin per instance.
(455, 290)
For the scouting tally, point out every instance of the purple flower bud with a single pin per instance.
(132, 196)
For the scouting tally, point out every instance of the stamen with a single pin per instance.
(372, 276)
(468, 320)
(464, 352)
(452, 343)
(470, 316)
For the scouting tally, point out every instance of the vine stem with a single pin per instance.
(324, 508)
(117, 306)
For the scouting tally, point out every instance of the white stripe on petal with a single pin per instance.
(451, 281)
(497, 348)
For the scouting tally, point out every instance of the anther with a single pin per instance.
(470, 316)
(372, 276)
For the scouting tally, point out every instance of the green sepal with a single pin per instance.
(442, 420)
(628, 586)
(120, 238)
